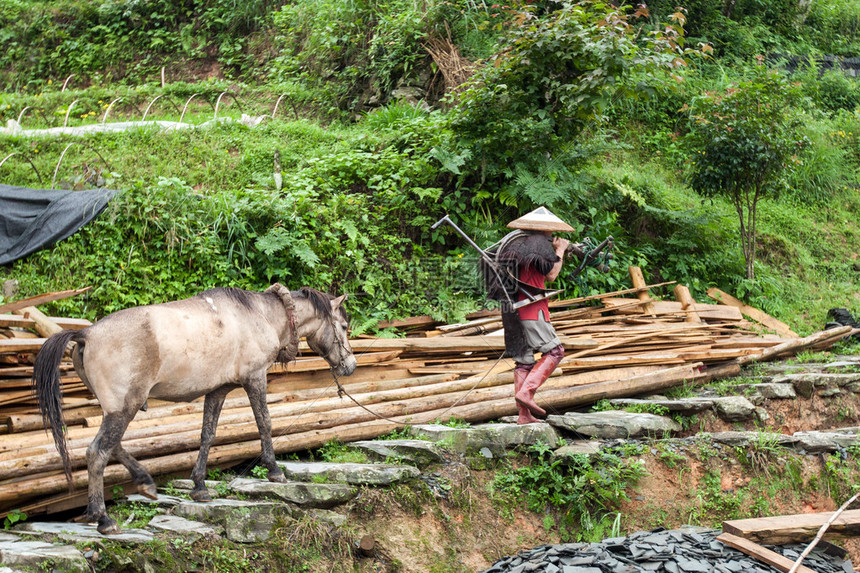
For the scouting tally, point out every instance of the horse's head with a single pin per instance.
(329, 339)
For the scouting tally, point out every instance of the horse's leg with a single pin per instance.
(211, 411)
(256, 389)
(139, 475)
(98, 453)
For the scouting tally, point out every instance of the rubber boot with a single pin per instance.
(525, 396)
(520, 374)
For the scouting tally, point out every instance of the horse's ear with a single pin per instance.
(336, 302)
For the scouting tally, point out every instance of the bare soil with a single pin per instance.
(685, 483)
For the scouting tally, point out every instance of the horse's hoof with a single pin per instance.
(278, 477)
(148, 490)
(108, 526)
(200, 495)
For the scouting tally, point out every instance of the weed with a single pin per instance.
(581, 491)
(454, 423)
(14, 516)
(260, 472)
(335, 451)
(809, 357)
(762, 450)
(670, 458)
(404, 433)
(134, 514)
(715, 505)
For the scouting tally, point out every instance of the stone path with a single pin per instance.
(317, 488)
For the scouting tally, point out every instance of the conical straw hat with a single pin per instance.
(541, 219)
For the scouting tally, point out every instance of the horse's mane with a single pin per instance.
(318, 299)
(237, 295)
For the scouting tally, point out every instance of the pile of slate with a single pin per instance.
(687, 550)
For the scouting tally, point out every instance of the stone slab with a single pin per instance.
(161, 500)
(305, 494)
(734, 408)
(744, 439)
(355, 474)
(820, 379)
(771, 390)
(611, 424)
(496, 437)
(420, 453)
(83, 532)
(243, 521)
(683, 406)
(333, 518)
(176, 524)
(577, 447)
(33, 555)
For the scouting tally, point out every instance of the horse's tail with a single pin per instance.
(46, 384)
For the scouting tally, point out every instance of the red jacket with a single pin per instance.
(530, 276)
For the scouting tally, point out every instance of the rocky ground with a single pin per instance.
(781, 439)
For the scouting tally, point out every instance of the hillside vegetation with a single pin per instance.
(394, 113)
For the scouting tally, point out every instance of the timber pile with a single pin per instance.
(615, 347)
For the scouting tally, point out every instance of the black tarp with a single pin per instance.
(31, 219)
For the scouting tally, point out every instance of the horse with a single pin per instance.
(206, 345)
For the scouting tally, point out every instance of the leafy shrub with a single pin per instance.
(583, 491)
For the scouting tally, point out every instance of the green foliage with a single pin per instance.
(14, 516)
(334, 451)
(134, 514)
(260, 472)
(583, 491)
(744, 141)
(713, 504)
(125, 39)
(548, 84)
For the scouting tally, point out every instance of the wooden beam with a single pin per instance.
(41, 299)
(639, 282)
(682, 294)
(460, 344)
(764, 319)
(794, 528)
(792, 346)
(760, 553)
(12, 320)
(43, 324)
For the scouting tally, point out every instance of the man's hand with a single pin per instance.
(560, 246)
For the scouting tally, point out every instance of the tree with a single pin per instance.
(745, 140)
(526, 109)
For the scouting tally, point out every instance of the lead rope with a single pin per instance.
(341, 390)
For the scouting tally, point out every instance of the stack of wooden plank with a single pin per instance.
(615, 347)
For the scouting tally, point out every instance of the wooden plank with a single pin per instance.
(41, 299)
(12, 320)
(796, 344)
(664, 307)
(778, 326)
(794, 528)
(314, 364)
(22, 345)
(760, 553)
(459, 344)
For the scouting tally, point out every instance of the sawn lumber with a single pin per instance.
(798, 528)
(41, 299)
(760, 553)
(776, 325)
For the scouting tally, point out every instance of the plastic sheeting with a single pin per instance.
(32, 219)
